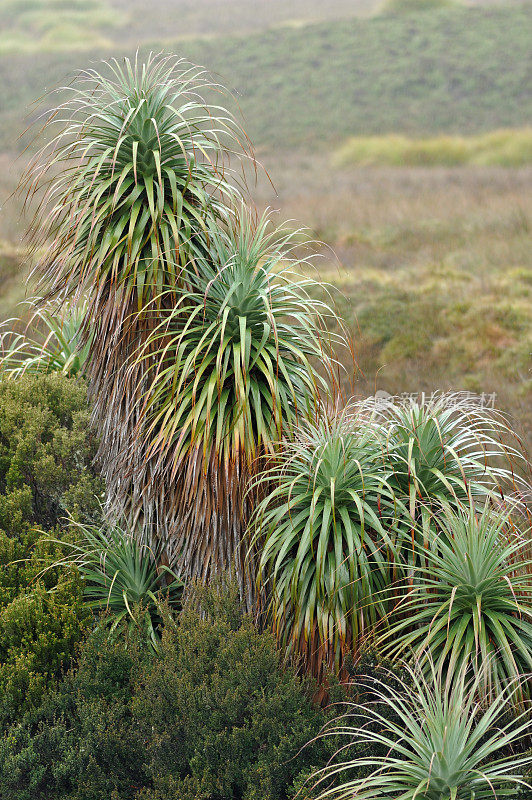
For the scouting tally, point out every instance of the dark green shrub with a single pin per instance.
(81, 743)
(222, 717)
(46, 454)
(214, 715)
(39, 632)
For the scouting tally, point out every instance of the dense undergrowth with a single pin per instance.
(214, 714)
(46, 453)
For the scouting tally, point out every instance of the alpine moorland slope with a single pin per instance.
(451, 70)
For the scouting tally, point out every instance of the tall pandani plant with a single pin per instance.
(230, 369)
(134, 172)
(201, 347)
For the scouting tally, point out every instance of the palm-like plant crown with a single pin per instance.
(327, 524)
(472, 607)
(138, 168)
(233, 361)
(232, 365)
(443, 448)
(122, 578)
(435, 743)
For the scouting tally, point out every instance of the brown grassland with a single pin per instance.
(434, 271)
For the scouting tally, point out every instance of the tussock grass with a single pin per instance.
(414, 6)
(506, 148)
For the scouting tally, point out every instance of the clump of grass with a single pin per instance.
(506, 148)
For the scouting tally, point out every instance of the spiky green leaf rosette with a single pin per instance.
(428, 739)
(54, 344)
(470, 607)
(327, 522)
(234, 364)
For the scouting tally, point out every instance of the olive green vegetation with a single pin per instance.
(45, 467)
(13, 270)
(46, 451)
(453, 70)
(214, 715)
(80, 24)
(413, 6)
(506, 148)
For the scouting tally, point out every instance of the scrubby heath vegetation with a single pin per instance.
(433, 268)
(30, 25)
(69, 25)
(46, 455)
(235, 582)
(213, 714)
(455, 70)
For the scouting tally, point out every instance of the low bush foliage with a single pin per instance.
(214, 714)
(505, 148)
(259, 717)
(46, 453)
(80, 743)
(391, 7)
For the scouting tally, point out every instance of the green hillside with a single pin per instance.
(48, 25)
(453, 70)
